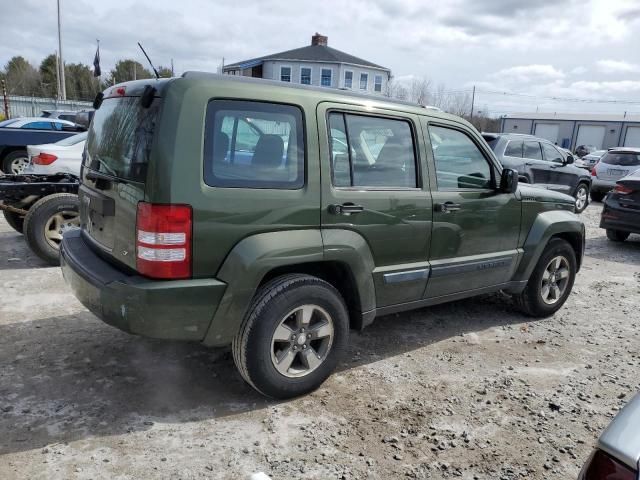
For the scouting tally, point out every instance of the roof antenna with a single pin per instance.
(149, 60)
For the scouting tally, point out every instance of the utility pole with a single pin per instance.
(58, 91)
(473, 100)
(63, 87)
(172, 74)
(6, 100)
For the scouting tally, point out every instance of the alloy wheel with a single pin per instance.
(58, 224)
(581, 198)
(18, 165)
(555, 280)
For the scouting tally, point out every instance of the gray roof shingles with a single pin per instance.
(312, 53)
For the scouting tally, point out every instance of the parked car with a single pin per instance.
(216, 209)
(16, 134)
(64, 156)
(615, 164)
(540, 162)
(588, 161)
(68, 115)
(583, 150)
(621, 213)
(617, 452)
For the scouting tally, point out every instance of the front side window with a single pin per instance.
(253, 145)
(39, 125)
(285, 74)
(305, 76)
(377, 86)
(348, 79)
(514, 149)
(532, 150)
(325, 79)
(551, 154)
(459, 162)
(364, 79)
(371, 151)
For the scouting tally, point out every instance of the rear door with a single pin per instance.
(474, 241)
(371, 166)
(114, 174)
(561, 176)
(538, 170)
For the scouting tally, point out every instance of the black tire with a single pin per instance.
(617, 235)
(252, 347)
(15, 220)
(597, 196)
(530, 301)
(36, 220)
(585, 187)
(10, 158)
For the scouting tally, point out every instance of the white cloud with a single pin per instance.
(528, 74)
(617, 67)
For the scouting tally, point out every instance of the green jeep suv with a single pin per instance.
(272, 218)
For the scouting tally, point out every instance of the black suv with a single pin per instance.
(540, 162)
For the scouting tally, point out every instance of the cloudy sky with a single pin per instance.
(585, 49)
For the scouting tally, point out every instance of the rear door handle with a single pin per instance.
(345, 209)
(448, 207)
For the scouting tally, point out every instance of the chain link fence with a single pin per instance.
(33, 106)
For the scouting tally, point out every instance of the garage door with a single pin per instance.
(632, 138)
(548, 131)
(590, 135)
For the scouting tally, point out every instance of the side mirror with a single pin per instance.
(509, 181)
(569, 160)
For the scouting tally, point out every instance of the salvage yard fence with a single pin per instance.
(20, 106)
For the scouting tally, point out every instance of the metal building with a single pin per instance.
(569, 130)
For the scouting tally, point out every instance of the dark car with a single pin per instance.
(583, 150)
(540, 162)
(621, 212)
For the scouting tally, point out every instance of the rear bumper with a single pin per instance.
(615, 218)
(177, 309)
(602, 186)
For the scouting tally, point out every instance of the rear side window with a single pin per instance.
(119, 141)
(626, 159)
(459, 162)
(254, 145)
(532, 150)
(514, 149)
(371, 151)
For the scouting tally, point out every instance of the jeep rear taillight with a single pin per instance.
(163, 240)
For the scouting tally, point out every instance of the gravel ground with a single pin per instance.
(471, 389)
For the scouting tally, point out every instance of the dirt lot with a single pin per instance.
(471, 389)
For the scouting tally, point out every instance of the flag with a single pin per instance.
(96, 63)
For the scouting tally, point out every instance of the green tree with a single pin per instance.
(49, 76)
(80, 82)
(126, 70)
(22, 78)
(164, 72)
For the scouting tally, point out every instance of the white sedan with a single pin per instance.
(64, 156)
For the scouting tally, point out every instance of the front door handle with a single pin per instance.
(345, 209)
(447, 207)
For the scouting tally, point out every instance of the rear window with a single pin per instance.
(253, 145)
(119, 141)
(626, 159)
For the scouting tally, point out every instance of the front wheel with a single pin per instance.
(582, 197)
(617, 235)
(551, 281)
(46, 222)
(15, 220)
(293, 336)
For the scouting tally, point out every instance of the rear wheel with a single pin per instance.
(292, 337)
(47, 221)
(15, 220)
(15, 162)
(597, 196)
(617, 235)
(551, 281)
(582, 197)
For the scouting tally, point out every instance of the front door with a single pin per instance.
(474, 241)
(373, 194)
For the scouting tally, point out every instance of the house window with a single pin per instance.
(285, 74)
(305, 76)
(325, 79)
(377, 85)
(364, 80)
(348, 79)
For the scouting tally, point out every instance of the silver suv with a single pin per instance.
(615, 164)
